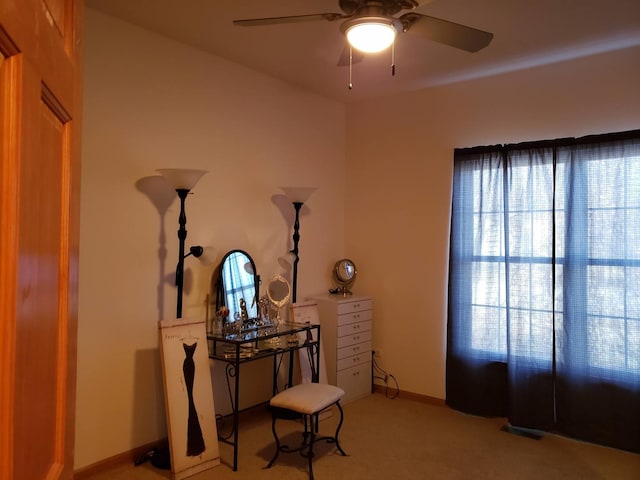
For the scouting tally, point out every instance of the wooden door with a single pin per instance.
(40, 106)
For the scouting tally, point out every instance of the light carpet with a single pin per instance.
(407, 439)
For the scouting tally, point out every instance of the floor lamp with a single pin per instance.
(182, 180)
(298, 196)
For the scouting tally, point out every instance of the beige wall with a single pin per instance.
(399, 164)
(154, 103)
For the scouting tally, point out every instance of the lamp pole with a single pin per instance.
(182, 236)
(182, 180)
(296, 240)
(297, 196)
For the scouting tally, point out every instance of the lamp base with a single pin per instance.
(344, 291)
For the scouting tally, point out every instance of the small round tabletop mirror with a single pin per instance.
(279, 293)
(344, 273)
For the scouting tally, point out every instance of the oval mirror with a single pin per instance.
(344, 273)
(279, 293)
(235, 284)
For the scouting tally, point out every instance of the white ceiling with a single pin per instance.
(526, 33)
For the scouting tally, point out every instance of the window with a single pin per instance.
(607, 212)
(545, 265)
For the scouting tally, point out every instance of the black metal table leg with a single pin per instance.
(236, 409)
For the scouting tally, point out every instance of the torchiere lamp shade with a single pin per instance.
(182, 178)
(298, 194)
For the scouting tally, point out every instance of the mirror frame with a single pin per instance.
(217, 282)
(279, 303)
(344, 283)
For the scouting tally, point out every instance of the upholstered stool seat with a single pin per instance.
(307, 400)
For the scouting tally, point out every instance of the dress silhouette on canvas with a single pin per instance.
(195, 442)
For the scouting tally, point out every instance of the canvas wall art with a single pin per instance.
(191, 417)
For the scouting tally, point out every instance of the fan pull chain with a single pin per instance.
(350, 66)
(393, 59)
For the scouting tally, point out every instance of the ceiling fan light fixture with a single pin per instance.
(371, 35)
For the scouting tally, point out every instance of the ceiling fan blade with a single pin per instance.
(443, 31)
(250, 22)
(356, 57)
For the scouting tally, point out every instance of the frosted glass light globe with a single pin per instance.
(371, 37)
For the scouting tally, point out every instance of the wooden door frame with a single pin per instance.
(9, 187)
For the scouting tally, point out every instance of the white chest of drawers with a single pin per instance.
(346, 329)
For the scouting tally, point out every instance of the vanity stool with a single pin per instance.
(306, 400)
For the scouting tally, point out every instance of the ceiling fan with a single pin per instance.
(366, 21)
